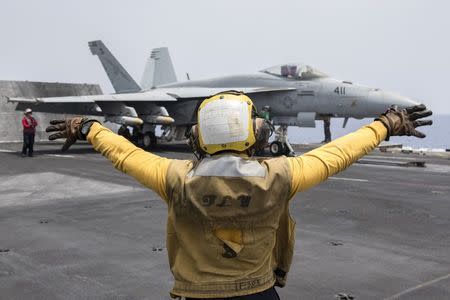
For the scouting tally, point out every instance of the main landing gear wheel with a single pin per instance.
(148, 140)
(125, 132)
(277, 148)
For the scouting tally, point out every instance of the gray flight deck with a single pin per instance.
(73, 227)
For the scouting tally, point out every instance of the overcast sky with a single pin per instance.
(401, 46)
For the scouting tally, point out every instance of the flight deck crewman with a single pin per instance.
(326, 129)
(29, 130)
(265, 113)
(229, 232)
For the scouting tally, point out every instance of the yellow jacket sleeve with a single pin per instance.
(317, 165)
(149, 169)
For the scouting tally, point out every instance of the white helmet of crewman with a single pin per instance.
(28, 111)
(228, 122)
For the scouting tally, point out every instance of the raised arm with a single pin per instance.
(149, 169)
(317, 165)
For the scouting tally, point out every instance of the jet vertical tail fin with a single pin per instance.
(119, 77)
(159, 69)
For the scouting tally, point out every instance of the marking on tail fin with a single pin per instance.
(159, 69)
(119, 77)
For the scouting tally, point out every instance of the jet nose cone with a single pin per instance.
(379, 101)
(400, 101)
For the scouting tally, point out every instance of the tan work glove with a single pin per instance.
(404, 122)
(72, 129)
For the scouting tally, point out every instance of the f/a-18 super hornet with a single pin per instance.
(297, 95)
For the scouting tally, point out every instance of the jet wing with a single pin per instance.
(156, 95)
(135, 97)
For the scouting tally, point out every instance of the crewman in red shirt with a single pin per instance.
(29, 129)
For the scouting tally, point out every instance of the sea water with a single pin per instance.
(438, 134)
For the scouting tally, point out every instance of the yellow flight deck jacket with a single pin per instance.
(229, 232)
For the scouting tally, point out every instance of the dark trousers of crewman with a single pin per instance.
(28, 142)
(326, 130)
(269, 294)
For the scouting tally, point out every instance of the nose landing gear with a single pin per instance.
(277, 148)
(281, 145)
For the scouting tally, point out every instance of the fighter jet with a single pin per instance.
(296, 93)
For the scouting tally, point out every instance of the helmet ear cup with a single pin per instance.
(194, 143)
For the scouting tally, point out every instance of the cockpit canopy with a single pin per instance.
(295, 71)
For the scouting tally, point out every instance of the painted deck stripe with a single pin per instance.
(419, 286)
(7, 151)
(349, 179)
(60, 155)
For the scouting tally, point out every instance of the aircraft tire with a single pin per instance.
(287, 152)
(148, 140)
(277, 148)
(123, 131)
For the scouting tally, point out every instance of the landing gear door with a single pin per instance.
(303, 119)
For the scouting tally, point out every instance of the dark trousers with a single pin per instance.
(28, 141)
(270, 294)
(326, 130)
